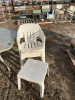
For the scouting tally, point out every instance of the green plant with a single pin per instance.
(14, 17)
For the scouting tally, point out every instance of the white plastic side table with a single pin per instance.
(34, 71)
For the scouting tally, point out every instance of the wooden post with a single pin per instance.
(41, 3)
(2, 13)
(70, 3)
(51, 4)
(32, 4)
(13, 6)
(5, 8)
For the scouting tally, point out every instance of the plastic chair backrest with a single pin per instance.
(72, 8)
(29, 32)
(59, 6)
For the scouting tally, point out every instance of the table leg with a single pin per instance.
(4, 63)
(42, 90)
(19, 82)
(48, 71)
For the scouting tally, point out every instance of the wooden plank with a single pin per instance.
(31, 21)
(62, 21)
(45, 22)
(72, 57)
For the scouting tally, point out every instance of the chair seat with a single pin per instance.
(61, 11)
(34, 71)
(70, 13)
(31, 47)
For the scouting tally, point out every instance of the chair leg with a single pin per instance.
(43, 56)
(42, 90)
(57, 16)
(62, 16)
(48, 71)
(19, 83)
(65, 16)
(21, 59)
(22, 63)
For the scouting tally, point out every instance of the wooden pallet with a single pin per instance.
(23, 21)
(61, 21)
(72, 57)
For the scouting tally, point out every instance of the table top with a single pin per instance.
(34, 71)
(7, 37)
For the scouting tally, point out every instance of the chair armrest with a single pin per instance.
(56, 9)
(19, 45)
(18, 39)
(42, 36)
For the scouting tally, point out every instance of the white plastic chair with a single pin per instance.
(59, 10)
(70, 11)
(59, 6)
(31, 47)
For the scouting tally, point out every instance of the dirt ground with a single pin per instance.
(60, 85)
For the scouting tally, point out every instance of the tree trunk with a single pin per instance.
(5, 7)
(13, 6)
(70, 3)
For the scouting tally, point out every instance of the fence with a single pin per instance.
(4, 12)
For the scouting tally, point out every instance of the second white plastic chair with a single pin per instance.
(59, 11)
